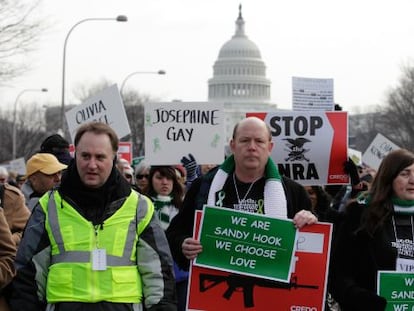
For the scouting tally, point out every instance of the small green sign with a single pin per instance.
(398, 289)
(245, 243)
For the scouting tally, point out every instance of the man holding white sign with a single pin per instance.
(247, 181)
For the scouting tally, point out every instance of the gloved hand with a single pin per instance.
(351, 169)
(190, 165)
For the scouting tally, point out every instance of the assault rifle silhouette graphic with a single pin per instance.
(245, 284)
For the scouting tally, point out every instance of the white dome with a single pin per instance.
(239, 73)
(239, 46)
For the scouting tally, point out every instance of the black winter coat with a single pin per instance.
(356, 259)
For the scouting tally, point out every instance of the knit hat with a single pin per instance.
(54, 141)
(58, 146)
(45, 163)
(181, 170)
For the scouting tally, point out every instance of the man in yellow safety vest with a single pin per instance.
(93, 244)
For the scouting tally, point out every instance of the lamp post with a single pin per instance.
(15, 117)
(159, 72)
(119, 18)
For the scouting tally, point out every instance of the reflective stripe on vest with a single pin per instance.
(73, 239)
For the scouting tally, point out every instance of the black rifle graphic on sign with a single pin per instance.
(296, 150)
(245, 284)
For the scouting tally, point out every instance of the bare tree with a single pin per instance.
(5, 137)
(82, 91)
(393, 120)
(399, 112)
(30, 126)
(31, 130)
(18, 35)
(134, 105)
(363, 128)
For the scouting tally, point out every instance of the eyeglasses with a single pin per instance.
(140, 176)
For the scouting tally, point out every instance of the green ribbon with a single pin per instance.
(221, 196)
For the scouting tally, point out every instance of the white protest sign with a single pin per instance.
(106, 107)
(312, 94)
(18, 165)
(175, 129)
(377, 150)
(309, 146)
(355, 155)
(310, 242)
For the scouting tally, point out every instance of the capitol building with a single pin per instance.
(239, 78)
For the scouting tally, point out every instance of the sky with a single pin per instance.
(362, 45)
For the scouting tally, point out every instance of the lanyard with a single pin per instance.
(395, 230)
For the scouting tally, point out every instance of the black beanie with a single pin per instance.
(54, 141)
(58, 146)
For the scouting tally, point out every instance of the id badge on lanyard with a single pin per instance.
(99, 259)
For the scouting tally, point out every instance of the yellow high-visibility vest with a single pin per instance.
(73, 241)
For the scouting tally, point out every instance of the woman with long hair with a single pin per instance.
(377, 234)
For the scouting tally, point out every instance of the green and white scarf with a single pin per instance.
(403, 206)
(274, 196)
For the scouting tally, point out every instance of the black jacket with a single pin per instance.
(355, 260)
(181, 226)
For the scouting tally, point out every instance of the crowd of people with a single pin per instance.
(95, 233)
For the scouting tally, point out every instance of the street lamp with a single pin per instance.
(159, 72)
(15, 117)
(119, 18)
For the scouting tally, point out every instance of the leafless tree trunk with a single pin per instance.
(134, 106)
(30, 129)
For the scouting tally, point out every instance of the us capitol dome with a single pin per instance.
(239, 78)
